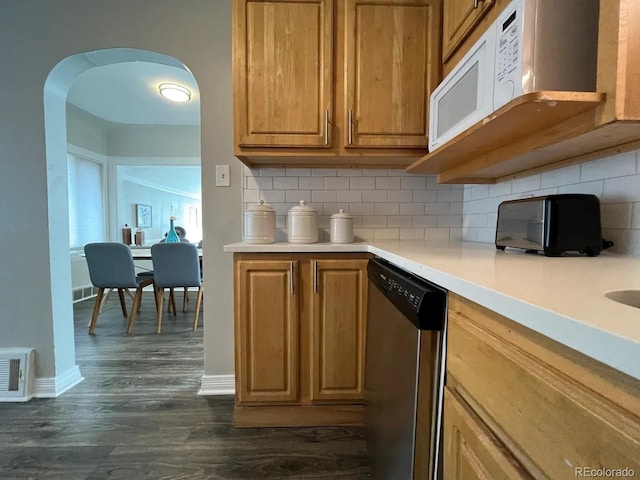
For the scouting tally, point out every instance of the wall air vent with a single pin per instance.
(17, 374)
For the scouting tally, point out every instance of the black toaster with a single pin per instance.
(552, 224)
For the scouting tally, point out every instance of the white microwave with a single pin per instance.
(533, 45)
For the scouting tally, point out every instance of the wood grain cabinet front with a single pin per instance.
(299, 338)
(267, 331)
(459, 18)
(554, 411)
(283, 72)
(392, 65)
(471, 451)
(338, 324)
(334, 82)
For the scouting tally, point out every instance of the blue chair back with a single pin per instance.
(176, 265)
(110, 265)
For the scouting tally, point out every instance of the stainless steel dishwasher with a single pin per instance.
(404, 380)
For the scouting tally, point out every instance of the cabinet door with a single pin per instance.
(392, 65)
(283, 72)
(459, 17)
(267, 353)
(471, 452)
(338, 322)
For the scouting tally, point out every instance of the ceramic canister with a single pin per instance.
(302, 225)
(260, 224)
(341, 227)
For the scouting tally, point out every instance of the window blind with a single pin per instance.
(86, 202)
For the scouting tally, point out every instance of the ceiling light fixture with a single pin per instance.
(175, 93)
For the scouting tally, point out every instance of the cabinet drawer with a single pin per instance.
(525, 389)
(471, 450)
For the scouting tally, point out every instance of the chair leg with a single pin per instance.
(198, 303)
(96, 311)
(155, 295)
(160, 297)
(171, 307)
(185, 299)
(134, 308)
(122, 304)
(105, 298)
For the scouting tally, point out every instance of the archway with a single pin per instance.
(56, 88)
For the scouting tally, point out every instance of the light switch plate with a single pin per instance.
(222, 176)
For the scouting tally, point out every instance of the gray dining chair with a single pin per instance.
(111, 266)
(176, 265)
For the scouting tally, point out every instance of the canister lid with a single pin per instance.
(260, 207)
(342, 214)
(302, 209)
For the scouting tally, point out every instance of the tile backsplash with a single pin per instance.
(390, 204)
(385, 204)
(615, 180)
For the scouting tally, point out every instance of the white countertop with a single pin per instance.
(562, 298)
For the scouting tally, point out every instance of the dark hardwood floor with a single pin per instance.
(137, 416)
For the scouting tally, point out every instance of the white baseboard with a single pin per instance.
(218, 385)
(52, 387)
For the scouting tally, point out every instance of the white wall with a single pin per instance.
(36, 36)
(154, 141)
(86, 131)
(134, 193)
(385, 204)
(615, 180)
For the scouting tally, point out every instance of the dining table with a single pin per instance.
(144, 253)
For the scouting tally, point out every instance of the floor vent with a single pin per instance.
(17, 372)
(82, 293)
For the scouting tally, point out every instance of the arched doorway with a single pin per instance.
(56, 89)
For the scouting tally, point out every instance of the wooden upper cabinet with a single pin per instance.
(283, 72)
(338, 321)
(267, 352)
(459, 18)
(392, 64)
(471, 451)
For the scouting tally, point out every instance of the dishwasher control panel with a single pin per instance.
(421, 301)
(412, 295)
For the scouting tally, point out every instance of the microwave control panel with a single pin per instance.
(508, 53)
(508, 73)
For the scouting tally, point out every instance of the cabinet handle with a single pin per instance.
(326, 127)
(475, 3)
(291, 278)
(315, 276)
(350, 127)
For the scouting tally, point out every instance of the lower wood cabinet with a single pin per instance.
(300, 325)
(267, 331)
(338, 319)
(471, 450)
(520, 405)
